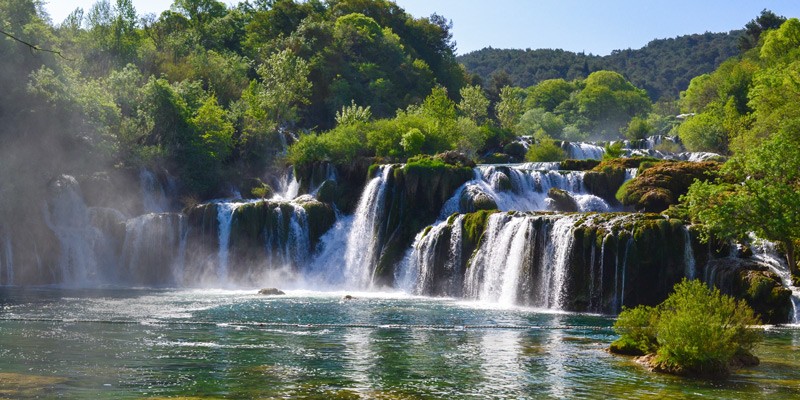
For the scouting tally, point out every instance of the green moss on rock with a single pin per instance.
(661, 185)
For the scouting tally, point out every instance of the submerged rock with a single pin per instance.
(271, 292)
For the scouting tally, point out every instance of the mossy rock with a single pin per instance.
(756, 284)
(515, 149)
(473, 200)
(578, 165)
(497, 158)
(320, 217)
(474, 225)
(626, 347)
(254, 188)
(562, 201)
(328, 192)
(661, 185)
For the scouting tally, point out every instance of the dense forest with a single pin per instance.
(664, 67)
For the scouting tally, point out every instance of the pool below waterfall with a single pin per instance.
(145, 343)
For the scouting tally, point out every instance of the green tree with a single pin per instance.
(549, 94)
(704, 132)
(759, 192)
(696, 330)
(545, 150)
(638, 128)
(510, 107)
(474, 104)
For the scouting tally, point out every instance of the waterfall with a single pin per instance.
(494, 274)
(153, 249)
(425, 270)
(766, 253)
(516, 188)
(8, 261)
(688, 255)
(68, 217)
(555, 275)
(507, 259)
(583, 151)
(292, 245)
(224, 218)
(364, 239)
(153, 197)
(288, 187)
(328, 266)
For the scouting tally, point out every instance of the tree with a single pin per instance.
(473, 105)
(284, 86)
(510, 107)
(695, 331)
(639, 128)
(758, 191)
(753, 29)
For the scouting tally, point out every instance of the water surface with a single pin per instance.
(129, 343)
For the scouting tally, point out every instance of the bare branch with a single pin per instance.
(33, 47)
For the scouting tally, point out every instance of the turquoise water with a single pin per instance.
(127, 343)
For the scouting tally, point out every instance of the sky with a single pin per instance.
(590, 26)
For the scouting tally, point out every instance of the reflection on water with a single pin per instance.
(122, 343)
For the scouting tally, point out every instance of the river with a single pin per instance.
(144, 343)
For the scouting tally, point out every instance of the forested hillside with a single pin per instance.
(664, 67)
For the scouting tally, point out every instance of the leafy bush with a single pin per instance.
(545, 151)
(696, 330)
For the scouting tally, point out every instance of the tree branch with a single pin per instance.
(33, 46)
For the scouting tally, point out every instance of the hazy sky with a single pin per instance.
(592, 26)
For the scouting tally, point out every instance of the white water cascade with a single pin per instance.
(500, 269)
(68, 217)
(154, 198)
(224, 218)
(362, 250)
(154, 249)
(416, 272)
(7, 262)
(559, 247)
(516, 188)
(766, 253)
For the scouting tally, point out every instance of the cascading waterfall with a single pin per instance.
(68, 217)
(522, 189)
(7, 261)
(154, 199)
(154, 247)
(583, 151)
(225, 218)
(289, 186)
(494, 273)
(555, 273)
(289, 248)
(765, 252)
(510, 260)
(417, 272)
(362, 251)
(688, 255)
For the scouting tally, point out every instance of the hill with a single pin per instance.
(664, 67)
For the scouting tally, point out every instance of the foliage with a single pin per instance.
(663, 67)
(546, 150)
(696, 330)
(638, 128)
(353, 114)
(613, 150)
(510, 107)
(759, 191)
(474, 104)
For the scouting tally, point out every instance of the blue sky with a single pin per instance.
(591, 26)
